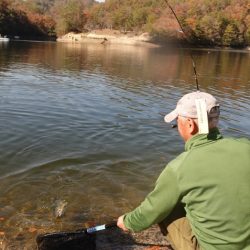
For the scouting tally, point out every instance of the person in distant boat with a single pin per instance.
(201, 200)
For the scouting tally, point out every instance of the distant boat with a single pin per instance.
(4, 39)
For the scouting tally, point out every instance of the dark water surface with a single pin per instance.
(82, 126)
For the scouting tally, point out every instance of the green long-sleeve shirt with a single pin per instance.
(212, 179)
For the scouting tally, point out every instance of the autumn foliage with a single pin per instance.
(18, 20)
(213, 22)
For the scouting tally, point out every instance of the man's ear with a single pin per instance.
(192, 126)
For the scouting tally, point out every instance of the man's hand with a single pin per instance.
(120, 223)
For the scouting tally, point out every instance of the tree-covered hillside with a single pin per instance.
(213, 22)
(21, 19)
(42, 17)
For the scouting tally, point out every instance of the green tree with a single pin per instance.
(69, 16)
(230, 36)
(96, 18)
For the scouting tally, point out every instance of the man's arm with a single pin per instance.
(157, 205)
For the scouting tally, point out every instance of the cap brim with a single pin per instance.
(171, 116)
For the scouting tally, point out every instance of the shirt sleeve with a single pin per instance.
(157, 205)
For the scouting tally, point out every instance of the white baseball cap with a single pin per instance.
(186, 106)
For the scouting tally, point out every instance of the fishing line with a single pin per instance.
(185, 37)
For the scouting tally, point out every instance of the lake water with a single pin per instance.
(82, 125)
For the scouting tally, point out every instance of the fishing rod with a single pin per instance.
(185, 37)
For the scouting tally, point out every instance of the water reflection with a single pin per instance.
(83, 123)
(215, 68)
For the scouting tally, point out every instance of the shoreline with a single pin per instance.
(109, 37)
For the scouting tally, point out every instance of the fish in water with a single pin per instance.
(59, 208)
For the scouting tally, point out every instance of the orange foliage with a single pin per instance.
(42, 23)
(167, 21)
(236, 12)
(191, 22)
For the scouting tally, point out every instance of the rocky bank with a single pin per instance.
(107, 36)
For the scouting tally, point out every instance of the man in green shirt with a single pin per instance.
(210, 179)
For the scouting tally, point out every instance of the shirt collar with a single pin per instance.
(200, 139)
